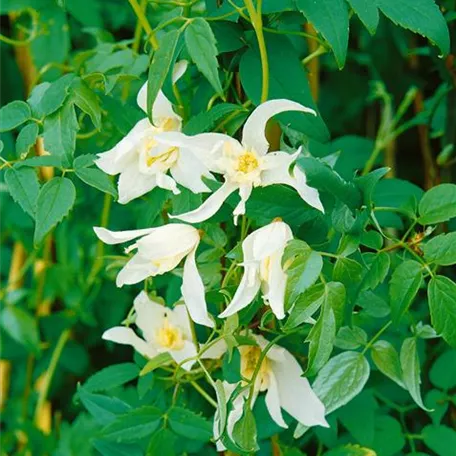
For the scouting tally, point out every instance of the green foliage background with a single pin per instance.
(382, 153)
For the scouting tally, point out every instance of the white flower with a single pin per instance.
(280, 376)
(263, 250)
(160, 250)
(163, 330)
(245, 164)
(143, 161)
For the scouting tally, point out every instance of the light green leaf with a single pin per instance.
(154, 363)
(111, 377)
(441, 250)
(21, 326)
(26, 139)
(60, 131)
(93, 176)
(367, 11)
(386, 359)
(43, 160)
(55, 200)
(14, 114)
(438, 204)
(86, 100)
(378, 270)
(410, 365)
(306, 305)
(159, 67)
(201, 46)
(245, 431)
(442, 305)
(23, 186)
(419, 16)
(55, 95)
(404, 285)
(330, 18)
(190, 425)
(350, 338)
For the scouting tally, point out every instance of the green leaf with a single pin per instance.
(306, 305)
(440, 439)
(55, 95)
(86, 100)
(245, 431)
(367, 11)
(23, 186)
(443, 371)
(404, 285)
(341, 379)
(442, 305)
(14, 114)
(44, 160)
(162, 442)
(378, 270)
(134, 425)
(350, 273)
(26, 139)
(410, 365)
(350, 338)
(305, 267)
(386, 359)
(201, 46)
(419, 16)
(156, 362)
(205, 121)
(190, 425)
(21, 326)
(330, 18)
(55, 200)
(441, 250)
(438, 204)
(350, 450)
(111, 377)
(60, 133)
(436, 400)
(93, 176)
(159, 67)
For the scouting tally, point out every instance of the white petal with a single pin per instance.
(141, 98)
(308, 194)
(135, 271)
(188, 351)
(236, 412)
(245, 293)
(275, 353)
(167, 183)
(244, 192)
(133, 184)
(124, 152)
(149, 316)
(216, 351)
(179, 317)
(193, 292)
(276, 285)
(277, 168)
(296, 395)
(273, 402)
(269, 239)
(253, 134)
(117, 237)
(179, 69)
(210, 206)
(126, 336)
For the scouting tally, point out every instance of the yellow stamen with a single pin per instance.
(250, 356)
(170, 337)
(162, 157)
(247, 162)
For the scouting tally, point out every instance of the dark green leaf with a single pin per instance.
(205, 121)
(111, 377)
(190, 425)
(55, 95)
(86, 100)
(162, 442)
(23, 186)
(386, 359)
(245, 431)
(26, 139)
(14, 114)
(438, 204)
(440, 439)
(367, 11)
(350, 338)
(443, 371)
(441, 250)
(378, 270)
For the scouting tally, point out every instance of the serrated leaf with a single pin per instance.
(350, 338)
(419, 16)
(367, 11)
(23, 186)
(386, 359)
(111, 377)
(245, 431)
(330, 18)
(441, 250)
(190, 425)
(86, 100)
(306, 305)
(55, 95)
(404, 285)
(55, 200)
(205, 121)
(201, 46)
(410, 365)
(162, 442)
(438, 204)
(159, 67)
(378, 270)
(44, 160)
(97, 179)
(442, 305)
(26, 139)
(154, 363)
(14, 114)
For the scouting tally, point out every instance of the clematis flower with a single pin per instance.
(159, 250)
(263, 250)
(143, 161)
(246, 164)
(280, 376)
(163, 330)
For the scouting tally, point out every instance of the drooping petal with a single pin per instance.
(272, 400)
(135, 271)
(210, 206)
(187, 351)
(308, 194)
(245, 191)
(133, 184)
(253, 134)
(277, 168)
(124, 152)
(149, 316)
(167, 183)
(296, 395)
(276, 285)
(269, 239)
(126, 336)
(193, 292)
(118, 237)
(246, 292)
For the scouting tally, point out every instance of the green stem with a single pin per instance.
(141, 15)
(377, 335)
(203, 393)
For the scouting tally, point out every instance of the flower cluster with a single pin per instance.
(158, 154)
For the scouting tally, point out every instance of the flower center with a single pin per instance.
(250, 356)
(265, 269)
(247, 162)
(167, 157)
(169, 337)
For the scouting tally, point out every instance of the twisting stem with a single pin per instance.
(140, 14)
(257, 23)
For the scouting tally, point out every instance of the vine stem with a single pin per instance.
(257, 23)
(376, 336)
(47, 379)
(203, 393)
(141, 15)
